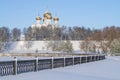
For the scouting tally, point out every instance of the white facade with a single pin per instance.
(47, 20)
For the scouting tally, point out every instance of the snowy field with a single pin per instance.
(40, 45)
(107, 69)
(20, 47)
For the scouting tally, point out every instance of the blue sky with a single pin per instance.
(88, 13)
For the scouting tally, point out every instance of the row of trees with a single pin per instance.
(105, 36)
(62, 33)
(72, 33)
(7, 35)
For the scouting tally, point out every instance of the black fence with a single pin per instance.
(17, 67)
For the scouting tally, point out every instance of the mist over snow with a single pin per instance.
(20, 46)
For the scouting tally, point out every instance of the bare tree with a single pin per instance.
(4, 37)
(29, 34)
(16, 34)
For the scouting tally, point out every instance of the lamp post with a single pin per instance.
(15, 66)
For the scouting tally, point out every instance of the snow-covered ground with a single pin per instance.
(40, 45)
(107, 69)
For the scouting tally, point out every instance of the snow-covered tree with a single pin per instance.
(60, 46)
(87, 46)
(67, 46)
(115, 46)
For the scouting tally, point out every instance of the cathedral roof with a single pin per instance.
(56, 18)
(48, 15)
(38, 18)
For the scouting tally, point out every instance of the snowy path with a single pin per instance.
(100, 70)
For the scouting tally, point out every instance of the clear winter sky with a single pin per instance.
(88, 13)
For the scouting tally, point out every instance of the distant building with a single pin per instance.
(47, 20)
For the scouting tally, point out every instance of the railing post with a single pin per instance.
(73, 60)
(52, 62)
(15, 66)
(86, 58)
(64, 62)
(91, 58)
(94, 57)
(103, 57)
(98, 58)
(36, 64)
(80, 59)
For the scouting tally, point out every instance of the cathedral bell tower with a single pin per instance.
(56, 19)
(38, 19)
(47, 18)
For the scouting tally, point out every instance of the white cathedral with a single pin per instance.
(47, 20)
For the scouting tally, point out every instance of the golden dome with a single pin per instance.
(56, 18)
(47, 15)
(38, 18)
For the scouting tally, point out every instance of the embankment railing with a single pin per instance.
(21, 66)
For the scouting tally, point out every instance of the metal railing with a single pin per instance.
(21, 66)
